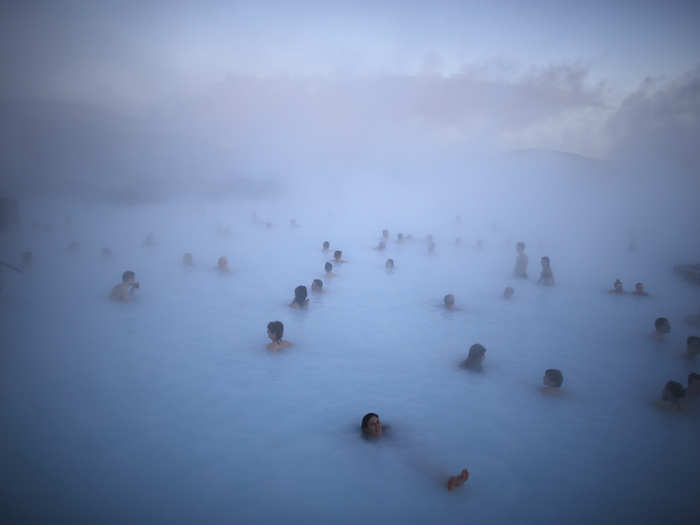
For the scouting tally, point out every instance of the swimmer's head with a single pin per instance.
(326, 245)
(328, 267)
(128, 277)
(639, 288)
(618, 286)
(673, 391)
(385, 234)
(300, 294)
(553, 378)
(693, 342)
(371, 426)
(222, 262)
(317, 285)
(662, 325)
(520, 247)
(477, 353)
(545, 262)
(275, 329)
(187, 259)
(399, 236)
(508, 292)
(389, 264)
(449, 300)
(338, 254)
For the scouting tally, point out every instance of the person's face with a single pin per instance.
(664, 328)
(338, 255)
(449, 301)
(272, 335)
(374, 427)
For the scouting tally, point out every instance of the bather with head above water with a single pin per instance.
(328, 268)
(617, 288)
(123, 291)
(552, 380)
(693, 347)
(389, 265)
(300, 297)
(222, 265)
(188, 260)
(449, 302)
(661, 327)
(317, 286)
(521, 261)
(639, 290)
(275, 330)
(546, 275)
(372, 430)
(475, 359)
(326, 246)
(338, 257)
(672, 395)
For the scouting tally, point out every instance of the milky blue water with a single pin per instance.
(170, 410)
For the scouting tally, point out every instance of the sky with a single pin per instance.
(308, 81)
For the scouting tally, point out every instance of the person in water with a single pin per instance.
(222, 265)
(520, 261)
(639, 290)
(617, 287)
(546, 275)
(672, 394)
(385, 235)
(661, 328)
(389, 265)
(300, 300)
(328, 267)
(399, 237)
(317, 286)
(188, 260)
(449, 301)
(508, 292)
(275, 330)
(125, 290)
(693, 350)
(693, 389)
(326, 246)
(553, 379)
(338, 257)
(371, 426)
(372, 429)
(475, 359)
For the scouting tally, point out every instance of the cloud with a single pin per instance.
(660, 120)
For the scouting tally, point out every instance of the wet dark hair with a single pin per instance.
(693, 342)
(449, 299)
(476, 353)
(554, 377)
(276, 328)
(692, 377)
(520, 246)
(328, 267)
(545, 259)
(326, 244)
(389, 263)
(317, 284)
(338, 254)
(128, 275)
(673, 391)
(366, 418)
(300, 294)
(662, 325)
